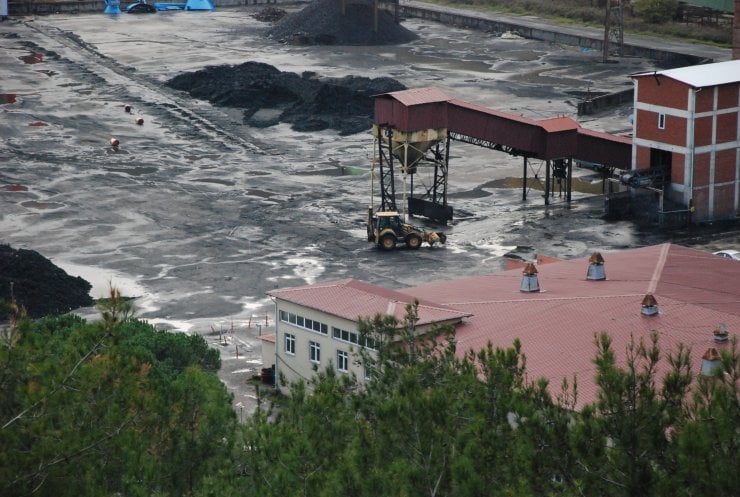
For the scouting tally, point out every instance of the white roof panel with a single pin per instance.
(700, 76)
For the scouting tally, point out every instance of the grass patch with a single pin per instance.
(591, 13)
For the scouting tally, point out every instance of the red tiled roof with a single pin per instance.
(557, 325)
(350, 299)
(520, 264)
(267, 338)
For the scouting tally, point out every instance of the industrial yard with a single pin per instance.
(197, 214)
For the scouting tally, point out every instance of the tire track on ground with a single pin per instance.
(196, 116)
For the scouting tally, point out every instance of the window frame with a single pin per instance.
(342, 361)
(290, 343)
(304, 323)
(314, 352)
(661, 120)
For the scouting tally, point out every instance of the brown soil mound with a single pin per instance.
(269, 96)
(42, 288)
(322, 23)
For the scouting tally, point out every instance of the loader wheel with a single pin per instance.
(388, 241)
(413, 241)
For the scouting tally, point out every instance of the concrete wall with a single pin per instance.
(563, 36)
(602, 102)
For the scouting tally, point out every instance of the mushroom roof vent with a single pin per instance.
(530, 283)
(649, 305)
(596, 267)
(710, 361)
(720, 333)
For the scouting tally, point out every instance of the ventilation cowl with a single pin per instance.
(596, 270)
(530, 283)
(649, 305)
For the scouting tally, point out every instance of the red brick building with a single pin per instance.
(686, 121)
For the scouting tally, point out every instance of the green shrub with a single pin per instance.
(657, 11)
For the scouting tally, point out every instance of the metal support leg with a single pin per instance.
(524, 180)
(547, 182)
(569, 184)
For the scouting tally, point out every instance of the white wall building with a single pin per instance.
(316, 325)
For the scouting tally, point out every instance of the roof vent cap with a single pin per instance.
(710, 361)
(596, 267)
(649, 305)
(721, 334)
(529, 279)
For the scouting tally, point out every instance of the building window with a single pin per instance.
(661, 121)
(369, 370)
(290, 344)
(354, 338)
(342, 361)
(309, 324)
(314, 352)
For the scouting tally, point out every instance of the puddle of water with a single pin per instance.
(335, 171)
(579, 185)
(7, 98)
(102, 280)
(32, 58)
(136, 171)
(33, 204)
(216, 181)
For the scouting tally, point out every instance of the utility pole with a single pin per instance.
(613, 28)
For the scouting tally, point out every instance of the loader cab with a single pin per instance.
(388, 220)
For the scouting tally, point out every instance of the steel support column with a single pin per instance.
(569, 187)
(547, 182)
(385, 166)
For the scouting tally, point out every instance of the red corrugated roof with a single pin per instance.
(695, 291)
(558, 324)
(492, 112)
(557, 124)
(626, 140)
(350, 299)
(418, 96)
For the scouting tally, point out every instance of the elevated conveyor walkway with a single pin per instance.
(416, 126)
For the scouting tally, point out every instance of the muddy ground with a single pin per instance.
(198, 215)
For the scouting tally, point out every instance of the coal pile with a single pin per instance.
(322, 23)
(270, 96)
(38, 285)
(270, 14)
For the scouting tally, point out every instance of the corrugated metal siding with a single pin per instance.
(603, 148)
(560, 144)
(389, 111)
(562, 137)
(497, 127)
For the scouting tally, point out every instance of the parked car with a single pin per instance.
(729, 254)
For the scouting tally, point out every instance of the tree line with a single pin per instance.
(116, 407)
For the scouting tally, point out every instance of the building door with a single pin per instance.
(661, 160)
